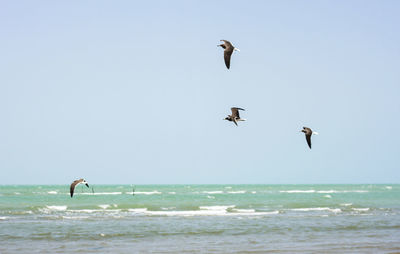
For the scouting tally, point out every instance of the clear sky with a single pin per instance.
(135, 92)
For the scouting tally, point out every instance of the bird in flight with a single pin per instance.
(75, 183)
(228, 50)
(308, 132)
(235, 117)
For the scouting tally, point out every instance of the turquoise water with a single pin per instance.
(200, 219)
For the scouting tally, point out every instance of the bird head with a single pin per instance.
(85, 183)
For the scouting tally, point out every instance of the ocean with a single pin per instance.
(200, 219)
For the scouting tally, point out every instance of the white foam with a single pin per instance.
(298, 191)
(254, 192)
(137, 210)
(172, 192)
(210, 197)
(147, 192)
(341, 191)
(228, 187)
(334, 210)
(213, 192)
(17, 193)
(327, 191)
(346, 204)
(86, 211)
(104, 206)
(244, 210)
(95, 211)
(361, 209)
(52, 192)
(327, 196)
(3, 218)
(237, 192)
(210, 211)
(388, 187)
(186, 213)
(57, 207)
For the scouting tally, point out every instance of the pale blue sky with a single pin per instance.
(135, 91)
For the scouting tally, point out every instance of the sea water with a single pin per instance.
(200, 219)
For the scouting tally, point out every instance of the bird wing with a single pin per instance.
(72, 187)
(308, 138)
(227, 56)
(228, 44)
(234, 120)
(235, 112)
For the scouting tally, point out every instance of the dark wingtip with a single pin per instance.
(87, 185)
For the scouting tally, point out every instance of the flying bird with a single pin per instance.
(75, 183)
(308, 132)
(228, 50)
(235, 117)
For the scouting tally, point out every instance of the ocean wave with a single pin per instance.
(203, 211)
(3, 218)
(342, 191)
(210, 197)
(213, 192)
(167, 208)
(104, 206)
(244, 210)
(388, 187)
(72, 211)
(328, 196)
(216, 207)
(346, 204)
(297, 191)
(323, 191)
(207, 211)
(137, 210)
(148, 192)
(361, 209)
(237, 192)
(311, 209)
(52, 192)
(172, 192)
(56, 207)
